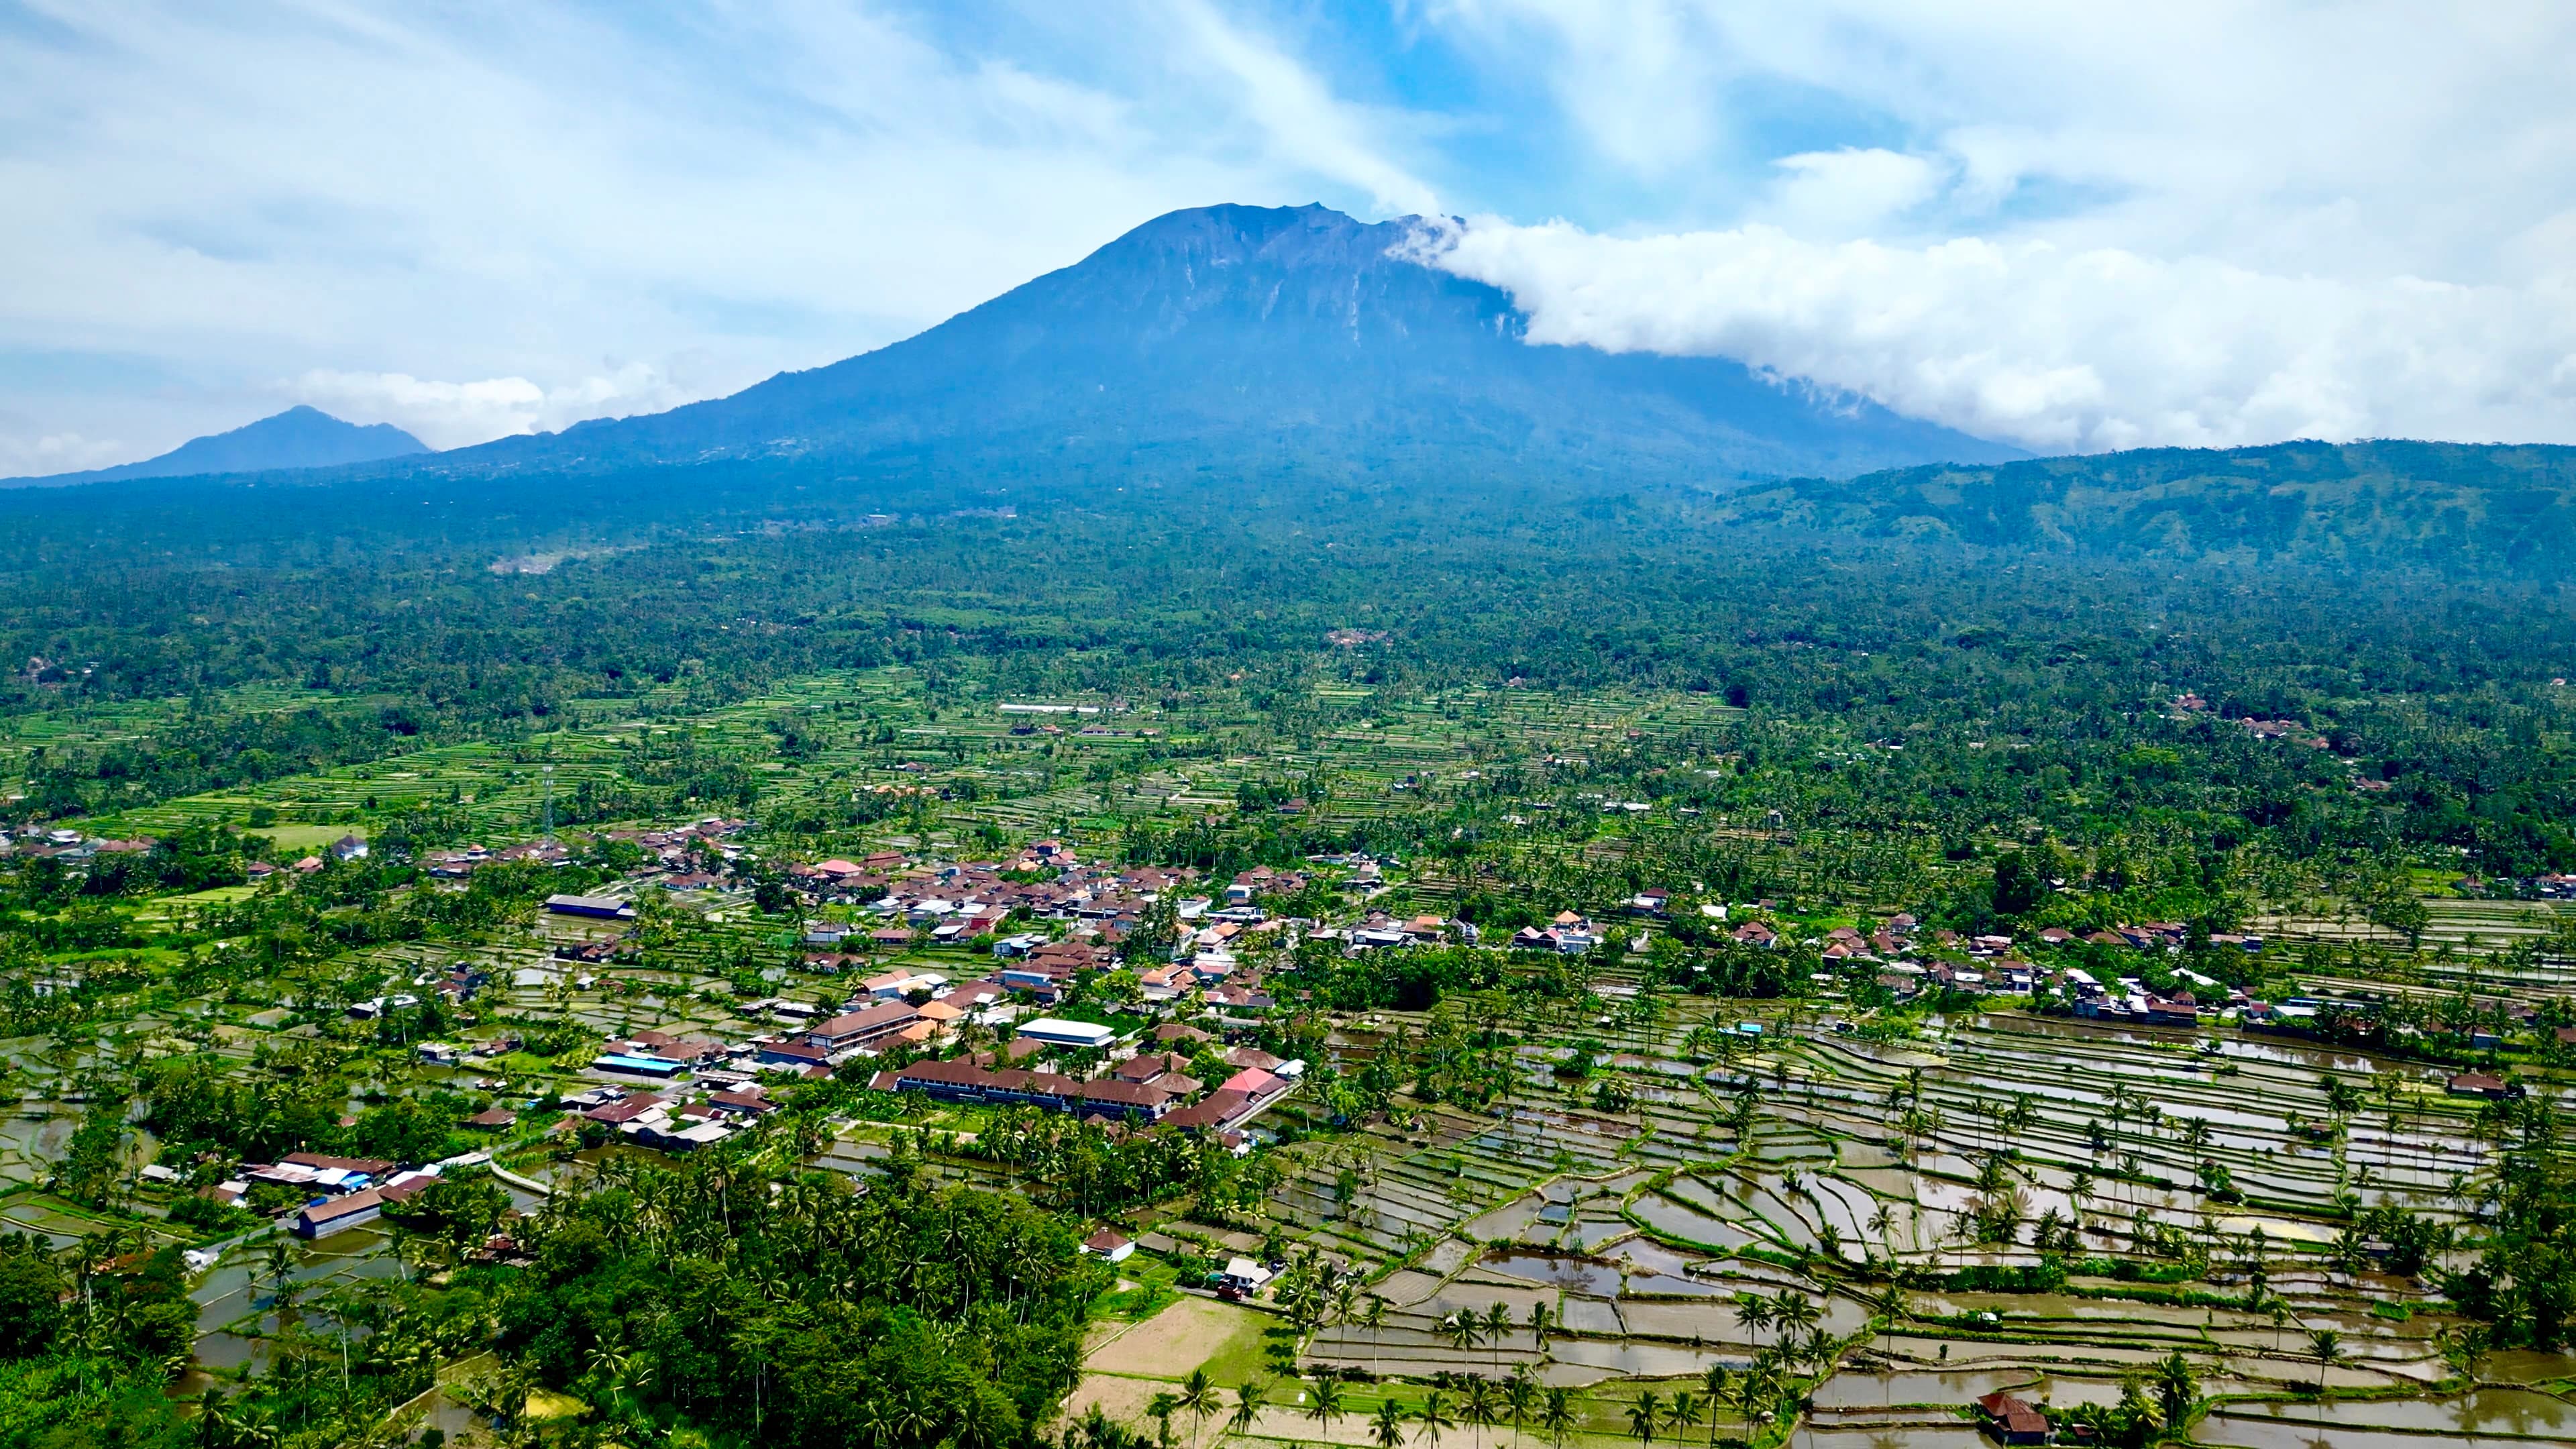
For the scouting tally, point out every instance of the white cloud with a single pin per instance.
(2365, 139)
(1638, 78)
(2058, 348)
(56, 453)
(370, 190)
(453, 414)
(1300, 118)
(1851, 192)
(2202, 222)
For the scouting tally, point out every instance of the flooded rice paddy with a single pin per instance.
(1639, 1233)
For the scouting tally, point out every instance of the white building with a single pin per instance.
(1056, 1031)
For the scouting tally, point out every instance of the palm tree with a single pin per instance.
(280, 1263)
(1758, 1389)
(1686, 1411)
(1198, 1399)
(1892, 1309)
(1645, 1416)
(253, 1427)
(1373, 1318)
(1479, 1407)
(1794, 1310)
(1752, 1311)
(214, 1420)
(979, 1425)
(1433, 1416)
(2174, 1380)
(1540, 1318)
(1556, 1415)
(1160, 1408)
(1247, 1406)
(1462, 1328)
(1498, 1324)
(879, 1424)
(1716, 1380)
(1520, 1395)
(1388, 1426)
(1327, 1405)
(2327, 1345)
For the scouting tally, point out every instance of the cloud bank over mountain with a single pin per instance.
(2058, 348)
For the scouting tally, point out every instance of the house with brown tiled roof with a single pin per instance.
(1147, 1066)
(2011, 1421)
(794, 1054)
(623, 1110)
(1253, 1058)
(322, 1219)
(966, 1081)
(860, 1028)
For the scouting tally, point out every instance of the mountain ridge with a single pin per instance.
(298, 438)
(2509, 507)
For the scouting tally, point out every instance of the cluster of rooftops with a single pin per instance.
(1149, 1082)
(1150, 1085)
(339, 1192)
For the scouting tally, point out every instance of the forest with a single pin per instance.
(1966, 685)
(765, 1305)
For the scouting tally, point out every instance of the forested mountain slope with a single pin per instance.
(2451, 506)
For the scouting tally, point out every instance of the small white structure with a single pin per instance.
(1056, 1031)
(1244, 1275)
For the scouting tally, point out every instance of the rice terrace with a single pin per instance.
(1416, 1063)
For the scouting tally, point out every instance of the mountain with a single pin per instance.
(300, 437)
(1236, 339)
(2498, 508)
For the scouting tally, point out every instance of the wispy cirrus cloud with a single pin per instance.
(474, 205)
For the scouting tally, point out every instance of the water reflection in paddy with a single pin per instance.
(1558, 1270)
(2525, 1366)
(2525, 1412)
(2229, 1431)
(1506, 1221)
(1645, 1256)
(1889, 1437)
(1667, 1216)
(1851, 1390)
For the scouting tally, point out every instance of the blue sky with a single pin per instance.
(2072, 226)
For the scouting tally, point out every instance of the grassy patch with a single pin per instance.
(1153, 1291)
(1191, 1333)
